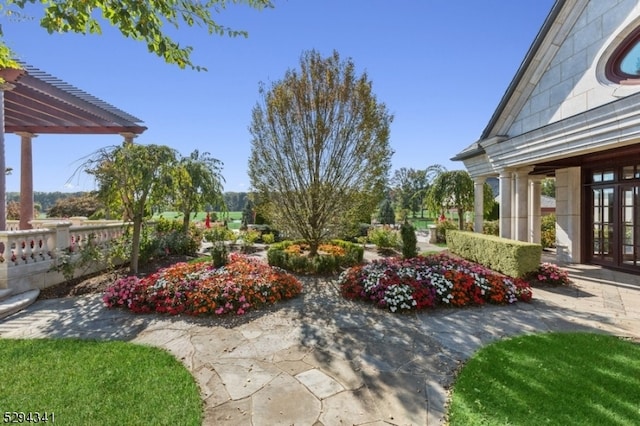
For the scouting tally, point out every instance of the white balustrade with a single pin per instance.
(27, 256)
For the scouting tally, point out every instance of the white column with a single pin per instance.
(505, 203)
(478, 203)
(535, 216)
(26, 179)
(568, 202)
(522, 201)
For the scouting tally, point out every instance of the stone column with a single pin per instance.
(26, 179)
(568, 203)
(478, 203)
(128, 137)
(522, 207)
(505, 203)
(535, 215)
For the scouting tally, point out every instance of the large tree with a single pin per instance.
(410, 186)
(454, 189)
(320, 148)
(197, 183)
(86, 204)
(137, 176)
(151, 22)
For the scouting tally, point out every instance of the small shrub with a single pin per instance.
(332, 256)
(219, 233)
(548, 231)
(491, 227)
(384, 237)
(219, 254)
(249, 238)
(409, 241)
(441, 230)
(268, 238)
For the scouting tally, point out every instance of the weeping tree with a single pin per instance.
(320, 150)
(198, 183)
(454, 189)
(134, 176)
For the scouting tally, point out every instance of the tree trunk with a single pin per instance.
(460, 218)
(135, 245)
(185, 222)
(313, 248)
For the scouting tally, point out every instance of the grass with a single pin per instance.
(200, 216)
(97, 382)
(234, 218)
(552, 379)
(421, 224)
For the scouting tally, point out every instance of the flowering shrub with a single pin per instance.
(199, 288)
(426, 282)
(549, 274)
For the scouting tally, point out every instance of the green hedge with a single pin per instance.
(322, 264)
(512, 258)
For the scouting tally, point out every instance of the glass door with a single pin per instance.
(603, 224)
(630, 238)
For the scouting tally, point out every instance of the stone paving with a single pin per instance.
(322, 360)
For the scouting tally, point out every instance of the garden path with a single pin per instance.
(323, 360)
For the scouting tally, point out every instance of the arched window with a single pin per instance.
(623, 66)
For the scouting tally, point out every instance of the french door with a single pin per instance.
(615, 222)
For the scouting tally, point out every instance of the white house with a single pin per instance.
(571, 111)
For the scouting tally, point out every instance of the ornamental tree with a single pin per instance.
(454, 189)
(197, 181)
(320, 150)
(136, 176)
(144, 21)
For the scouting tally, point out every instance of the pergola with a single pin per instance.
(33, 102)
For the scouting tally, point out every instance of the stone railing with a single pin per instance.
(27, 257)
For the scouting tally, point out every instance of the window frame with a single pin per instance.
(613, 70)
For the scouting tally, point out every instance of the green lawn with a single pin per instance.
(551, 379)
(84, 382)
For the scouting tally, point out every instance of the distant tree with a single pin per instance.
(84, 205)
(410, 187)
(248, 214)
(13, 210)
(144, 21)
(400, 183)
(197, 183)
(386, 214)
(320, 148)
(454, 189)
(549, 187)
(137, 176)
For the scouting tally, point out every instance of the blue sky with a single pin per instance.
(441, 67)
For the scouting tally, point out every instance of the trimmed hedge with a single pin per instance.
(510, 257)
(277, 255)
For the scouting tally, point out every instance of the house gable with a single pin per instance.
(561, 78)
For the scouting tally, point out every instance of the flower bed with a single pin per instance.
(548, 274)
(332, 256)
(199, 288)
(427, 282)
